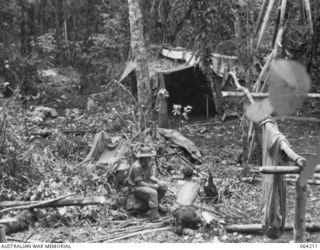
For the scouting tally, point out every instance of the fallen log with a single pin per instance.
(260, 95)
(292, 176)
(257, 228)
(14, 205)
(297, 118)
(282, 169)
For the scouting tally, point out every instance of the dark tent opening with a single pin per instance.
(190, 87)
(186, 86)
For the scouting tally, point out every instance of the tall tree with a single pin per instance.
(139, 55)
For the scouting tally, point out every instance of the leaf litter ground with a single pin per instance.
(239, 203)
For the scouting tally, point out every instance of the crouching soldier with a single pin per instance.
(185, 213)
(144, 185)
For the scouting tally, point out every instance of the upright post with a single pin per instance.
(163, 106)
(299, 227)
(3, 238)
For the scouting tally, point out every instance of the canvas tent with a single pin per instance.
(185, 82)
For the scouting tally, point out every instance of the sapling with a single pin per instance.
(177, 111)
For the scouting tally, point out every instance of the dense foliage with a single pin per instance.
(93, 37)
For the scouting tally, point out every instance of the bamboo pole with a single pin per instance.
(309, 15)
(261, 15)
(302, 12)
(276, 27)
(283, 12)
(263, 72)
(265, 21)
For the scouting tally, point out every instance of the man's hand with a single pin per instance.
(301, 161)
(146, 184)
(153, 179)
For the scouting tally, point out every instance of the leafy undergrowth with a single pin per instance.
(55, 156)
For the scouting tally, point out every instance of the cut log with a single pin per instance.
(283, 169)
(290, 179)
(60, 203)
(257, 228)
(310, 181)
(294, 176)
(298, 119)
(260, 95)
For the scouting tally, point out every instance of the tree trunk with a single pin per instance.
(139, 54)
(59, 29)
(23, 35)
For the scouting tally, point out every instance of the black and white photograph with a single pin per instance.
(191, 123)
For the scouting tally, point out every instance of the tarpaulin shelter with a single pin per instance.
(184, 80)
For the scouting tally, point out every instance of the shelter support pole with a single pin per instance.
(163, 105)
(207, 106)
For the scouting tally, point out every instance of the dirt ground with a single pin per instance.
(239, 201)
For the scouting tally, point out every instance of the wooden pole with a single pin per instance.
(163, 105)
(257, 228)
(18, 205)
(299, 213)
(261, 15)
(3, 238)
(283, 169)
(265, 22)
(244, 90)
(301, 197)
(309, 15)
(260, 95)
(207, 107)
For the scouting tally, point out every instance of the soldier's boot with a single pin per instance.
(163, 209)
(153, 214)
